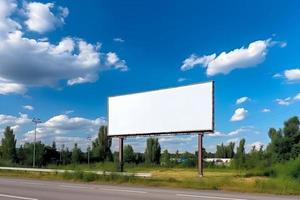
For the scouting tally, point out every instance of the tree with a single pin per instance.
(285, 143)
(76, 154)
(129, 156)
(224, 151)
(9, 145)
(152, 152)
(40, 153)
(240, 156)
(101, 146)
(21, 155)
(165, 158)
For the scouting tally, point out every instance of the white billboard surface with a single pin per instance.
(175, 110)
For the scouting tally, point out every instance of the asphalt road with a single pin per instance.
(24, 189)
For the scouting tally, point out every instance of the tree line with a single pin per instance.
(284, 146)
(100, 151)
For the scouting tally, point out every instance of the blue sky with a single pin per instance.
(59, 61)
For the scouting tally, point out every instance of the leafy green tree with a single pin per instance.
(240, 156)
(21, 155)
(165, 158)
(285, 143)
(224, 151)
(40, 152)
(139, 158)
(76, 154)
(9, 145)
(129, 156)
(101, 146)
(152, 152)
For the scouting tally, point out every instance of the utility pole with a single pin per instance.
(88, 148)
(36, 121)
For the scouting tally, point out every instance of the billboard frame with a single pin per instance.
(200, 133)
(170, 132)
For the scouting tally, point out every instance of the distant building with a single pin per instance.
(219, 161)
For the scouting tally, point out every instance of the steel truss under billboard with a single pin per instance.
(185, 109)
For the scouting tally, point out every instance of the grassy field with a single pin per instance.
(214, 179)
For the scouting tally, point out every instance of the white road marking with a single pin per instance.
(207, 197)
(16, 197)
(120, 190)
(74, 186)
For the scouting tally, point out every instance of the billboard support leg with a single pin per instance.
(200, 154)
(121, 160)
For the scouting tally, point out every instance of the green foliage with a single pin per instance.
(224, 151)
(129, 155)
(285, 143)
(240, 157)
(188, 160)
(101, 146)
(76, 154)
(165, 158)
(8, 148)
(152, 152)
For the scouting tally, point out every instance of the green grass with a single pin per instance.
(215, 179)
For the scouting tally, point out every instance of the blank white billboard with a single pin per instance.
(175, 110)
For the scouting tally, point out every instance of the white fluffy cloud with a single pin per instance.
(284, 102)
(28, 107)
(288, 100)
(7, 87)
(114, 60)
(257, 145)
(15, 122)
(225, 62)
(242, 100)
(239, 114)
(62, 125)
(297, 97)
(72, 60)
(217, 134)
(292, 74)
(242, 130)
(40, 17)
(265, 110)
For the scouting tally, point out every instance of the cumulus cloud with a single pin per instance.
(9, 120)
(40, 17)
(193, 60)
(292, 74)
(284, 102)
(239, 114)
(265, 110)
(297, 97)
(71, 60)
(245, 129)
(225, 62)
(61, 125)
(7, 87)
(256, 145)
(216, 134)
(28, 107)
(242, 100)
(288, 100)
(15, 122)
(114, 60)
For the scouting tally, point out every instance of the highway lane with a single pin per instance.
(28, 189)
